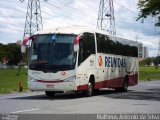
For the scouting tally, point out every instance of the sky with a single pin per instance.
(58, 13)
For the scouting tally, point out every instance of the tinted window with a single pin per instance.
(106, 45)
(52, 52)
(87, 46)
(100, 43)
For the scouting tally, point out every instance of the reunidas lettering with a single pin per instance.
(115, 62)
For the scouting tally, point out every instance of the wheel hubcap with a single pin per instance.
(125, 86)
(90, 89)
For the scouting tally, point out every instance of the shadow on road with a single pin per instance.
(63, 96)
(58, 96)
(149, 94)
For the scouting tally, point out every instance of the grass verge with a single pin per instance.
(149, 73)
(9, 80)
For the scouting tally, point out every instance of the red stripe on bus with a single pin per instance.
(55, 81)
(112, 83)
(82, 87)
(133, 79)
(116, 82)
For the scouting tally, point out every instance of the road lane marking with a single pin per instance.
(25, 110)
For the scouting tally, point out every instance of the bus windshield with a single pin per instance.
(52, 52)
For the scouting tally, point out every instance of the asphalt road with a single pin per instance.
(142, 98)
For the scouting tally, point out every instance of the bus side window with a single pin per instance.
(80, 57)
(87, 47)
(101, 43)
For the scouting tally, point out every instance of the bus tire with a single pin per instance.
(89, 91)
(125, 86)
(50, 93)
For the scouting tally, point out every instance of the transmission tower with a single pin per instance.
(33, 21)
(106, 18)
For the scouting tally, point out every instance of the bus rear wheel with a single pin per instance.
(124, 88)
(50, 93)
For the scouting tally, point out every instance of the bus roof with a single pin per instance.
(81, 29)
(70, 30)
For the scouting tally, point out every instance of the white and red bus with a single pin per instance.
(80, 59)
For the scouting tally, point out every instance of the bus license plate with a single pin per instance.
(49, 86)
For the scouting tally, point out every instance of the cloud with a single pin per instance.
(59, 13)
(151, 42)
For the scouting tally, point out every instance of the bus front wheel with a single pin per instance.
(124, 88)
(89, 91)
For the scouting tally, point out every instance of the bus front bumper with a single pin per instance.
(41, 85)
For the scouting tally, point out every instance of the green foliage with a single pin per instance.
(11, 52)
(146, 62)
(149, 73)
(9, 81)
(149, 8)
(157, 61)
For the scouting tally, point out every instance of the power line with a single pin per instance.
(74, 8)
(10, 1)
(57, 7)
(77, 16)
(125, 7)
(11, 29)
(11, 8)
(47, 13)
(14, 9)
(11, 24)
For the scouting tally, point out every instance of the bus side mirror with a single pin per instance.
(24, 44)
(76, 44)
(23, 49)
(76, 48)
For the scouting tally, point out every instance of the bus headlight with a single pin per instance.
(70, 79)
(31, 79)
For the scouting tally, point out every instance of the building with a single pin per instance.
(140, 49)
(143, 51)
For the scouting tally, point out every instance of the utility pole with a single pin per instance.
(106, 18)
(33, 21)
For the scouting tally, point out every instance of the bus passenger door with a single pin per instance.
(100, 72)
(86, 56)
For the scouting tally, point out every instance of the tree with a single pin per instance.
(157, 61)
(10, 53)
(146, 62)
(149, 8)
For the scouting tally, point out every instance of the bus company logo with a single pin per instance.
(100, 61)
(63, 73)
(115, 62)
